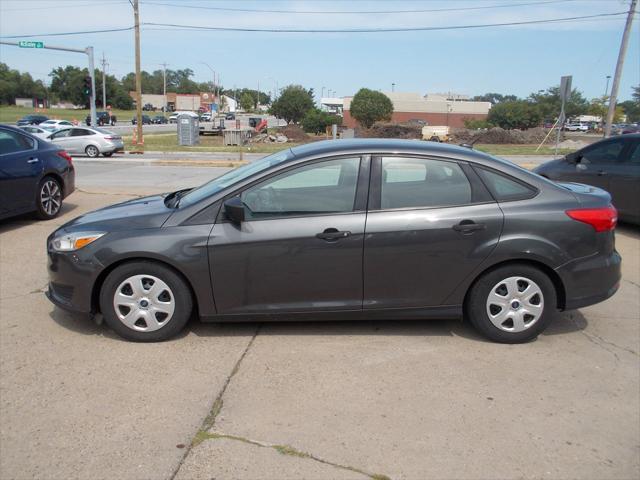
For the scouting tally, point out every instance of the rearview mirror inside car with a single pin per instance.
(234, 210)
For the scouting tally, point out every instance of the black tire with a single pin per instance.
(477, 305)
(177, 290)
(434, 139)
(107, 154)
(48, 198)
(92, 151)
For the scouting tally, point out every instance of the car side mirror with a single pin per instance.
(234, 210)
(574, 158)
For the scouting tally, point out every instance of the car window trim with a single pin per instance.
(375, 190)
(221, 218)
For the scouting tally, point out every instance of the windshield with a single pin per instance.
(234, 176)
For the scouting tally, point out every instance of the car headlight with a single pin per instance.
(68, 242)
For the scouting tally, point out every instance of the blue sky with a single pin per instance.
(514, 59)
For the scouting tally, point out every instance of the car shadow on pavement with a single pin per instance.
(564, 323)
(27, 219)
(628, 229)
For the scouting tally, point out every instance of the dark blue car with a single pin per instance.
(35, 175)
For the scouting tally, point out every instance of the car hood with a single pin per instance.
(146, 212)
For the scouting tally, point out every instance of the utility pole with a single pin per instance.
(92, 98)
(164, 83)
(104, 90)
(616, 77)
(136, 18)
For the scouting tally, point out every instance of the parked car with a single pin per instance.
(576, 127)
(31, 120)
(631, 129)
(612, 164)
(36, 131)
(89, 141)
(35, 176)
(146, 120)
(230, 116)
(173, 118)
(206, 117)
(159, 119)
(354, 229)
(147, 107)
(55, 124)
(102, 119)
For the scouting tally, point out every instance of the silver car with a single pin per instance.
(90, 141)
(39, 132)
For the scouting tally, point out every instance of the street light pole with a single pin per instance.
(104, 90)
(616, 77)
(136, 18)
(606, 88)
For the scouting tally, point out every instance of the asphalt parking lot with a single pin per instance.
(399, 400)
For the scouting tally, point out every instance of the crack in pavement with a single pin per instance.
(210, 420)
(603, 343)
(286, 450)
(32, 292)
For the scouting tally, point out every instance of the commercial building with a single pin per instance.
(435, 109)
(178, 101)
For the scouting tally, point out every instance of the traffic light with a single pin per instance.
(86, 88)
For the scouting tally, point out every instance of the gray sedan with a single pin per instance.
(612, 164)
(345, 229)
(90, 141)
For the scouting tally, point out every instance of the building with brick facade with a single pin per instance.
(435, 109)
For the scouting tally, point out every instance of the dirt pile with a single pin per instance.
(294, 133)
(391, 130)
(499, 135)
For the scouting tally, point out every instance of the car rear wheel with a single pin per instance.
(92, 151)
(49, 199)
(511, 304)
(145, 302)
(434, 139)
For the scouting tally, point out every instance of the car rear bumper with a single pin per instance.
(590, 280)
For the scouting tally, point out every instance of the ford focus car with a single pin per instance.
(348, 229)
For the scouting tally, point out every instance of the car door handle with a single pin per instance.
(468, 226)
(332, 234)
(33, 160)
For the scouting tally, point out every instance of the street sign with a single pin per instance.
(28, 44)
(565, 88)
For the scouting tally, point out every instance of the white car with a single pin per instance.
(42, 133)
(52, 125)
(576, 127)
(89, 141)
(173, 118)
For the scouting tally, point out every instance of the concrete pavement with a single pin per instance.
(403, 400)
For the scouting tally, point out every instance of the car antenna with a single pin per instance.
(470, 145)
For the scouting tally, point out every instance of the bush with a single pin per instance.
(293, 103)
(475, 124)
(369, 106)
(316, 121)
(519, 114)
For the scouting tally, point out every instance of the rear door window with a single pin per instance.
(505, 188)
(409, 182)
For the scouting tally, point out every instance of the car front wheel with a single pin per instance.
(145, 302)
(511, 304)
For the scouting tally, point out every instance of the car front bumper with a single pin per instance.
(590, 280)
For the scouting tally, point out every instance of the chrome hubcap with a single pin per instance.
(92, 151)
(515, 304)
(50, 197)
(144, 303)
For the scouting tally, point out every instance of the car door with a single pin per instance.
(20, 170)
(624, 181)
(593, 163)
(430, 223)
(64, 140)
(80, 139)
(300, 246)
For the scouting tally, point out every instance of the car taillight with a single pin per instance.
(601, 219)
(66, 156)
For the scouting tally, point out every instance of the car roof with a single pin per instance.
(396, 146)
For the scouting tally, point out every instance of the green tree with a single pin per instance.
(519, 114)
(247, 102)
(494, 98)
(631, 108)
(599, 108)
(14, 84)
(549, 103)
(370, 106)
(292, 104)
(67, 83)
(316, 121)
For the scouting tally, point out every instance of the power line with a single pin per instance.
(358, 12)
(379, 30)
(341, 30)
